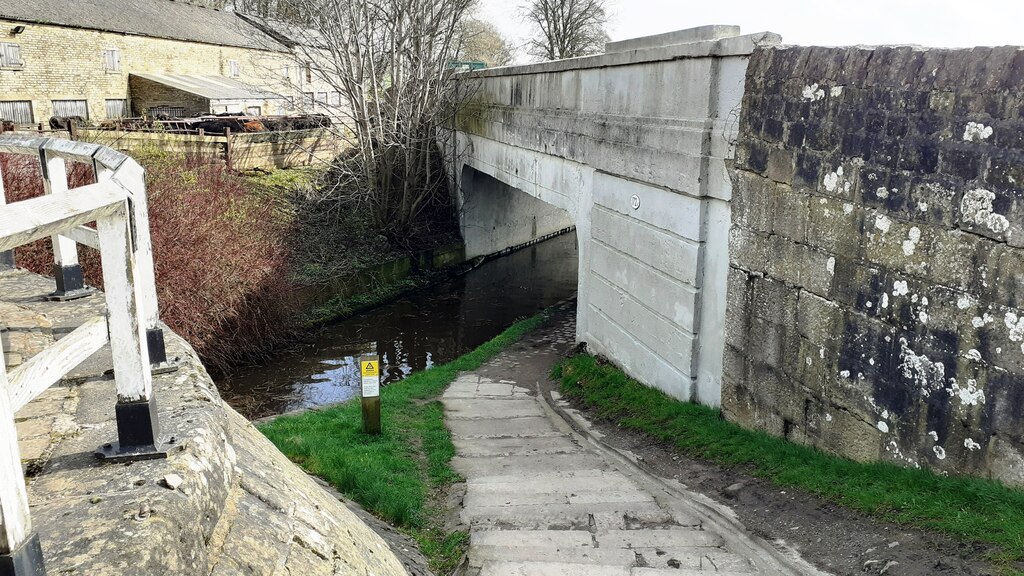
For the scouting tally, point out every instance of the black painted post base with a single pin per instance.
(138, 434)
(6, 259)
(158, 361)
(70, 283)
(27, 560)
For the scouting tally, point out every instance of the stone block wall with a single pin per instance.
(876, 282)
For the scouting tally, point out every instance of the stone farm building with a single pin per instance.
(105, 59)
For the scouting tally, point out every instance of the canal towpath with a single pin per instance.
(545, 496)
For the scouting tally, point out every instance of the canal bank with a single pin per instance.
(428, 327)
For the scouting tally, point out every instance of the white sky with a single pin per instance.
(946, 23)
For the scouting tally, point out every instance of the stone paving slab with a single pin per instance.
(580, 511)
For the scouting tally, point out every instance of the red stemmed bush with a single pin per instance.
(221, 253)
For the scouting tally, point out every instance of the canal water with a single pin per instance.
(429, 327)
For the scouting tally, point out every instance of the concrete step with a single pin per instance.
(471, 408)
(664, 538)
(528, 427)
(555, 516)
(713, 560)
(514, 446)
(579, 484)
(527, 465)
(494, 568)
(480, 555)
(504, 495)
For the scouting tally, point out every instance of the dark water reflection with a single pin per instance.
(430, 327)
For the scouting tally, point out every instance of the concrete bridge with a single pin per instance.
(633, 148)
(825, 242)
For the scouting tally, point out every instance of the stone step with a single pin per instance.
(503, 495)
(578, 484)
(472, 408)
(527, 465)
(664, 538)
(552, 516)
(514, 446)
(494, 568)
(480, 555)
(528, 427)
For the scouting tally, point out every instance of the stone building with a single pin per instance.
(113, 58)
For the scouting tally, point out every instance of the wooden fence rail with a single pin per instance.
(116, 202)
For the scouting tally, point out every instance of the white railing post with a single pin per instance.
(138, 430)
(66, 270)
(20, 553)
(133, 178)
(7, 256)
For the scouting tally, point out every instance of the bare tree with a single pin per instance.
(482, 41)
(566, 28)
(391, 62)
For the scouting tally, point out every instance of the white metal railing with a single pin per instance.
(116, 202)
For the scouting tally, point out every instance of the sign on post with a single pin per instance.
(369, 370)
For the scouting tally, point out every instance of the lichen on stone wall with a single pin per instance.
(898, 231)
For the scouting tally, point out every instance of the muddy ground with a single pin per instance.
(836, 539)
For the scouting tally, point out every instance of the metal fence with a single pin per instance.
(116, 202)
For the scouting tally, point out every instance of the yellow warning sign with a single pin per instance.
(370, 368)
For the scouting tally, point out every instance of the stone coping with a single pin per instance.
(225, 501)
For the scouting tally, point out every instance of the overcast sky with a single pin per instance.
(947, 23)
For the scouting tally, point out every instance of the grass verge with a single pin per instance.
(394, 475)
(973, 509)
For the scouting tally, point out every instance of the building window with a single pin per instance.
(307, 100)
(309, 72)
(68, 108)
(112, 60)
(286, 73)
(17, 111)
(336, 99)
(253, 111)
(234, 68)
(10, 55)
(167, 111)
(321, 99)
(116, 108)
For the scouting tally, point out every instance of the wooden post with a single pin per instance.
(138, 430)
(369, 370)
(7, 256)
(20, 553)
(227, 147)
(66, 269)
(133, 178)
(72, 130)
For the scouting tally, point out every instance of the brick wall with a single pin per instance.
(876, 288)
(67, 63)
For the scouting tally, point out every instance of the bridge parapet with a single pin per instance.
(634, 145)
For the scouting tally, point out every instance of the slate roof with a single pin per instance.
(211, 87)
(153, 18)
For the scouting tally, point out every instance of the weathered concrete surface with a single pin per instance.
(238, 506)
(875, 292)
(542, 500)
(654, 118)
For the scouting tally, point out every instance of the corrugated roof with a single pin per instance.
(154, 18)
(211, 87)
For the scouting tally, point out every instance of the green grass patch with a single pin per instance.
(973, 509)
(395, 474)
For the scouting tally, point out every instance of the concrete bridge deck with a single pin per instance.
(225, 501)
